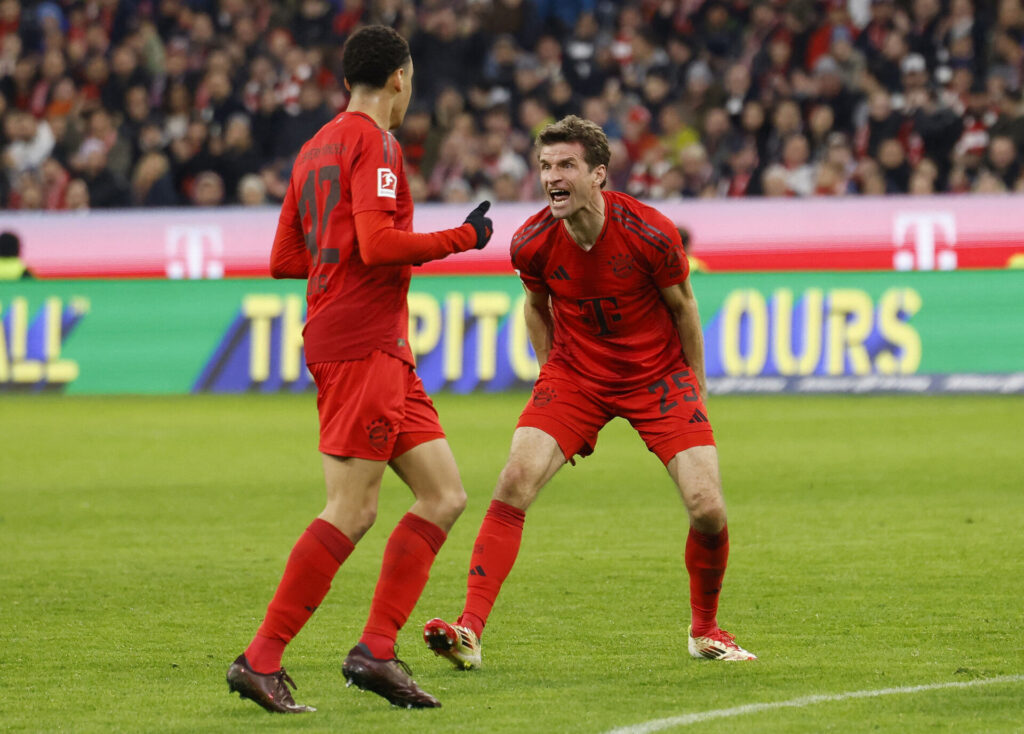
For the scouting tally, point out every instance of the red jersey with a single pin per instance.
(611, 324)
(349, 166)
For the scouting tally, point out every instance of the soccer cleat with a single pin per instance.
(268, 690)
(716, 645)
(457, 643)
(391, 679)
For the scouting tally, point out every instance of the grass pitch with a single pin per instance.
(877, 542)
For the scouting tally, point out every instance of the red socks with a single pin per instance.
(494, 553)
(408, 556)
(706, 558)
(314, 560)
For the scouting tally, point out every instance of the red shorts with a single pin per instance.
(373, 408)
(668, 413)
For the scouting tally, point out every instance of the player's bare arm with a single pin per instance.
(539, 325)
(683, 305)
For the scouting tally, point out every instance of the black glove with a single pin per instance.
(483, 225)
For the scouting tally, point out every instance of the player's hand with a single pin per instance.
(482, 224)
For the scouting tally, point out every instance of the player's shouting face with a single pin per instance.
(570, 184)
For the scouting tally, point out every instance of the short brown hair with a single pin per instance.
(573, 129)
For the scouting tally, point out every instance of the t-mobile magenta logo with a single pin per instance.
(195, 252)
(924, 241)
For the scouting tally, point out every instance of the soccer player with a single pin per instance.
(613, 320)
(346, 225)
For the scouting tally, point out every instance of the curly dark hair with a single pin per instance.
(371, 54)
(573, 129)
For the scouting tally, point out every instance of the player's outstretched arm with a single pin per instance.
(683, 306)
(381, 244)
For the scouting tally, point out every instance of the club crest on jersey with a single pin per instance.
(387, 183)
(543, 395)
(622, 265)
(378, 432)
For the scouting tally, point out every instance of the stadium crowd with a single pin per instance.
(115, 103)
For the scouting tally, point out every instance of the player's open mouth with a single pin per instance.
(558, 195)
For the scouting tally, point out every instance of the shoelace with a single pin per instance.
(283, 676)
(723, 636)
(401, 663)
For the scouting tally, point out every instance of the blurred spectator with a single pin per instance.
(676, 132)
(216, 99)
(562, 15)
(988, 183)
(741, 177)
(775, 181)
(152, 184)
(54, 180)
(869, 177)
(12, 267)
(637, 134)
(839, 155)
(786, 122)
(923, 179)
(883, 122)
(796, 160)
(27, 193)
(106, 188)
(208, 189)
(447, 50)
(30, 141)
(720, 31)
(892, 159)
(587, 62)
(506, 187)
(516, 18)
(101, 130)
(697, 172)
(937, 129)
(873, 35)
(820, 125)
(311, 115)
(76, 198)
(238, 157)
(1002, 160)
(252, 191)
(830, 90)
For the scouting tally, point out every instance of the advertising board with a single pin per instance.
(772, 332)
(856, 233)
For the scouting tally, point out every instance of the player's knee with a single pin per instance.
(452, 502)
(443, 503)
(707, 511)
(365, 517)
(517, 485)
(354, 523)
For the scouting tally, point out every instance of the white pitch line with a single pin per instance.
(751, 708)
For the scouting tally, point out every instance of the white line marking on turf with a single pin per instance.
(751, 708)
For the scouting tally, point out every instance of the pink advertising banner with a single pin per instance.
(891, 233)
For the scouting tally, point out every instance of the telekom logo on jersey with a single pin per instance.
(916, 236)
(387, 183)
